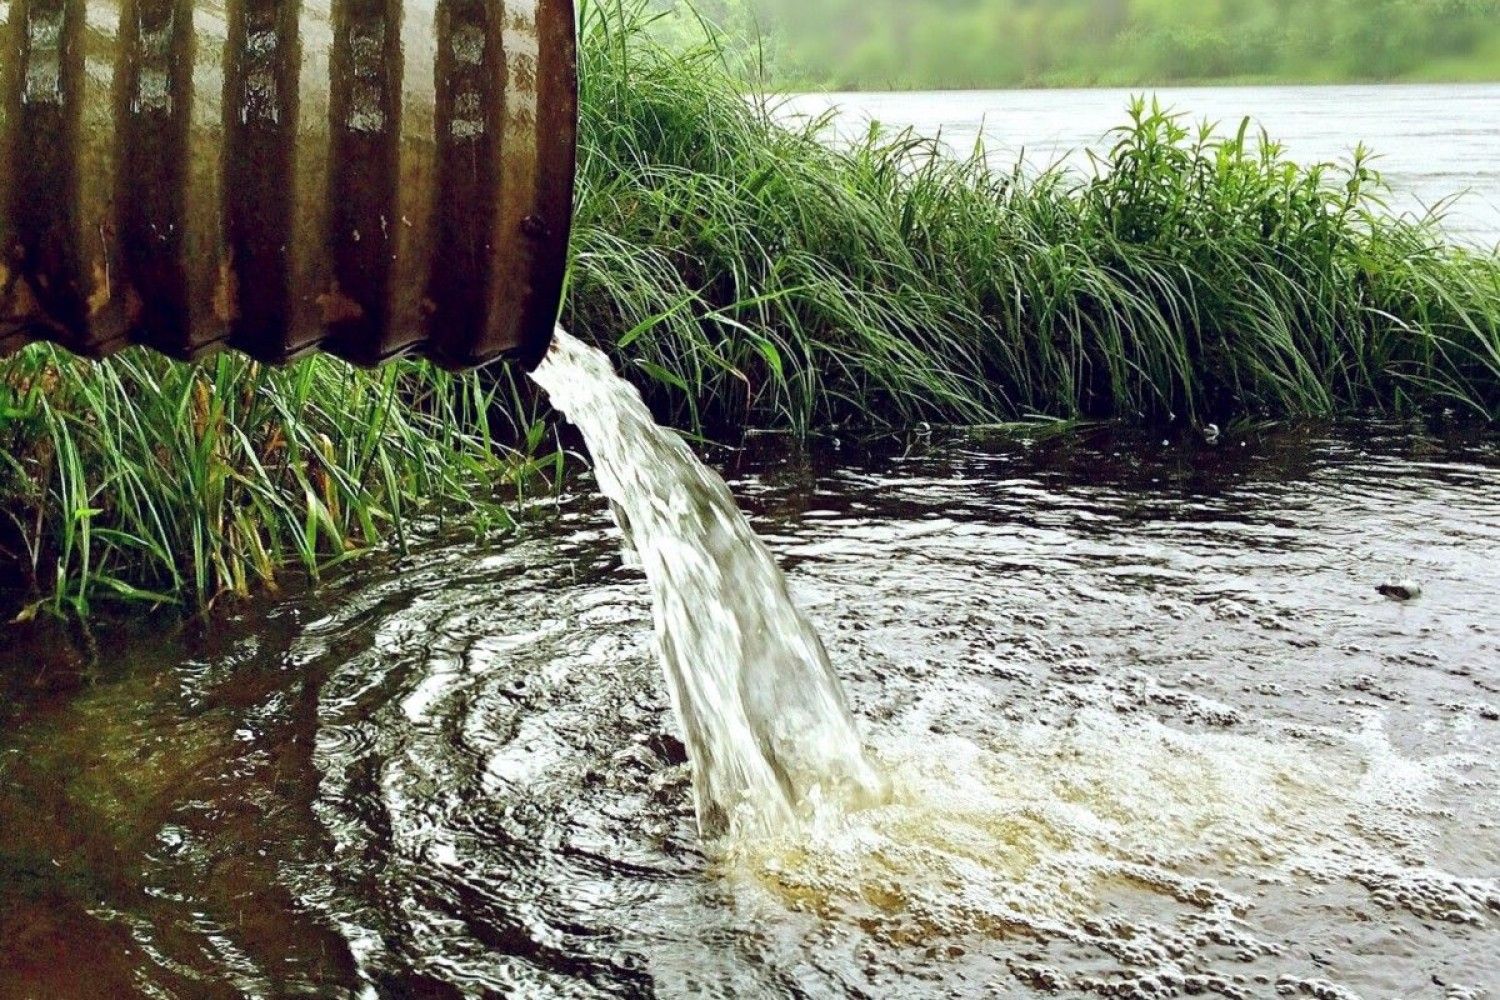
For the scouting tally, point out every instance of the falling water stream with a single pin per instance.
(1099, 714)
(768, 730)
(1032, 832)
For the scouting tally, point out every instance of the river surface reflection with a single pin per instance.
(1152, 728)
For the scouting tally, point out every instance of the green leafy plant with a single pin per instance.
(141, 479)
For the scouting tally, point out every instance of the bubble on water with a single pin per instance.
(1321, 989)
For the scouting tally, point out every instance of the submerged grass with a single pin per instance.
(747, 273)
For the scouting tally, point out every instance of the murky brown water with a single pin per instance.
(1152, 729)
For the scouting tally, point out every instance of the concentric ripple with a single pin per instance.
(1151, 728)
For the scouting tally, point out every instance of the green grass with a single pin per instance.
(763, 278)
(746, 274)
(987, 44)
(145, 480)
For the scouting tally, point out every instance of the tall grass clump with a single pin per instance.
(138, 478)
(752, 273)
(748, 273)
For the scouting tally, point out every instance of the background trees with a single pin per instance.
(873, 44)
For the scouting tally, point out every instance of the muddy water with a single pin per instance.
(1151, 732)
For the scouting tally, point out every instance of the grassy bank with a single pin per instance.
(746, 274)
(141, 479)
(765, 278)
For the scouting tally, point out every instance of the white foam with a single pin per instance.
(1122, 836)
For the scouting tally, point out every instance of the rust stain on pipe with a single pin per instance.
(365, 177)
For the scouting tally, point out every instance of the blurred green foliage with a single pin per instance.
(896, 44)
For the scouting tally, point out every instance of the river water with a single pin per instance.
(1435, 141)
(1151, 731)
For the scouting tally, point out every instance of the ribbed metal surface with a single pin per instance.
(365, 177)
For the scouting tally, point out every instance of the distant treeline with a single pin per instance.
(880, 44)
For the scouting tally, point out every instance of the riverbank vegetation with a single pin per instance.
(986, 44)
(746, 273)
(143, 479)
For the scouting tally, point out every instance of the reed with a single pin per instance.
(746, 273)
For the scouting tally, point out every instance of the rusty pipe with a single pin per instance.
(364, 177)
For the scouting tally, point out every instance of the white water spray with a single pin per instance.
(767, 727)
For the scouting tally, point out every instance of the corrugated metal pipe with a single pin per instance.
(363, 177)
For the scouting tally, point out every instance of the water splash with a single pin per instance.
(767, 727)
(1132, 858)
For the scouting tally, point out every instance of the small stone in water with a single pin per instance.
(1401, 590)
(668, 748)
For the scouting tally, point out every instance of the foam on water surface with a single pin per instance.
(1145, 847)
